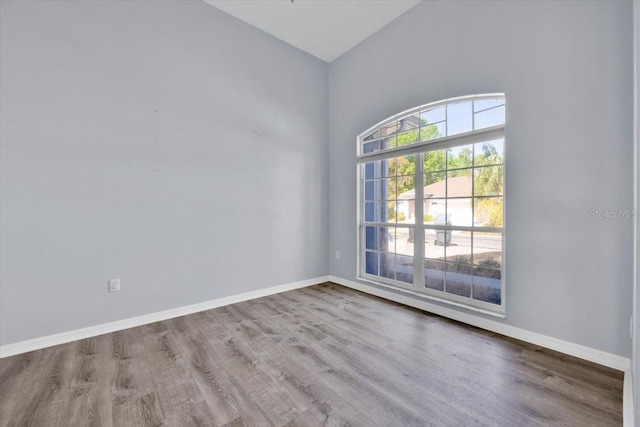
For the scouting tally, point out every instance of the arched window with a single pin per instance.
(431, 209)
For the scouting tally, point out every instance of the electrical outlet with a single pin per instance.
(114, 285)
(337, 254)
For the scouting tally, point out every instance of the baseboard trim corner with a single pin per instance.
(582, 352)
(118, 325)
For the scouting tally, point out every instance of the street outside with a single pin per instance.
(460, 243)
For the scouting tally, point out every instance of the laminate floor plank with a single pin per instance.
(330, 356)
(208, 373)
(546, 409)
(323, 355)
(37, 404)
(88, 384)
(547, 406)
(247, 361)
(467, 382)
(317, 392)
(373, 361)
(18, 373)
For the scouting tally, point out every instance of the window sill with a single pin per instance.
(431, 298)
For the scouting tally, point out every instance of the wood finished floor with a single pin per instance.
(323, 355)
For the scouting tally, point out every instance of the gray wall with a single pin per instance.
(165, 143)
(566, 69)
(185, 152)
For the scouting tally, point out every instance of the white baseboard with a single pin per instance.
(597, 356)
(582, 352)
(105, 328)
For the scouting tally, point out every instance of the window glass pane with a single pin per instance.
(459, 183)
(378, 189)
(404, 184)
(488, 181)
(433, 247)
(428, 217)
(387, 239)
(388, 167)
(369, 211)
(390, 188)
(388, 142)
(433, 115)
(487, 250)
(403, 189)
(392, 212)
(459, 118)
(434, 161)
(458, 279)
(489, 152)
(398, 166)
(412, 121)
(435, 191)
(487, 259)
(404, 268)
(434, 275)
(371, 238)
(488, 212)
(436, 130)
(371, 263)
(406, 206)
(458, 245)
(435, 185)
(371, 170)
(371, 136)
(389, 129)
(370, 147)
(487, 285)
(459, 212)
(488, 118)
(406, 165)
(404, 241)
(408, 137)
(388, 265)
(434, 210)
(483, 104)
(460, 157)
(406, 187)
(369, 190)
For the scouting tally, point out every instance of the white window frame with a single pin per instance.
(418, 149)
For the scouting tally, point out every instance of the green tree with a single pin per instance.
(489, 181)
(434, 166)
(464, 159)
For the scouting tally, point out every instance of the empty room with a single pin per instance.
(319, 213)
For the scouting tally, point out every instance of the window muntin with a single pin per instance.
(455, 149)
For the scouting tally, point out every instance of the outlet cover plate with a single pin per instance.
(114, 285)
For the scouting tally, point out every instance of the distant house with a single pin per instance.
(459, 210)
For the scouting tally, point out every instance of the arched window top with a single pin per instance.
(435, 122)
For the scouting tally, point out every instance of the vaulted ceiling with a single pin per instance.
(323, 28)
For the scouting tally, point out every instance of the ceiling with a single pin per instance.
(324, 28)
